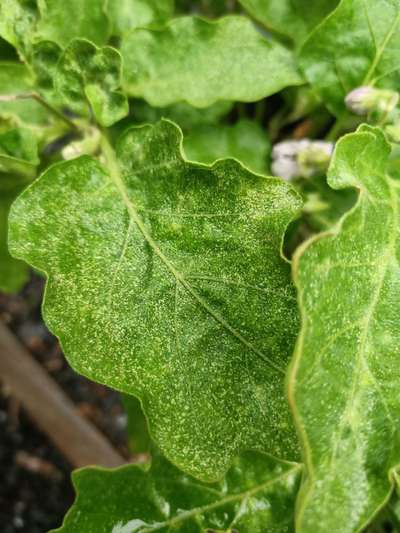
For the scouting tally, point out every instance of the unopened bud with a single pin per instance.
(314, 159)
(305, 158)
(365, 99)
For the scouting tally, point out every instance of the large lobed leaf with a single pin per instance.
(166, 281)
(256, 496)
(358, 44)
(345, 376)
(200, 62)
(293, 18)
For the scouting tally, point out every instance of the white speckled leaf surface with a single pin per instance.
(344, 383)
(166, 281)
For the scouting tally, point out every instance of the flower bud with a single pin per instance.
(314, 159)
(365, 99)
(305, 158)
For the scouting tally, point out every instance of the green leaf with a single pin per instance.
(358, 44)
(84, 70)
(18, 19)
(137, 430)
(15, 79)
(256, 496)
(346, 374)
(13, 273)
(293, 18)
(44, 60)
(24, 22)
(129, 14)
(333, 204)
(18, 161)
(62, 21)
(166, 281)
(187, 116)
(245, 141)
(200, 62)
(18, 152)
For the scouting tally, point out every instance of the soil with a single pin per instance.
(35, 489)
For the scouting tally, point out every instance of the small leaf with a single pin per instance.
(256, 496)
(293, 18)
(357, 45)
(345, 375)
(129, 14)
(86, 70)
(44, 59)
(227, 60)
(245, 141)
(166, 281)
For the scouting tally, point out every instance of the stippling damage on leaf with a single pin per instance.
(166, 281)
(345, 375)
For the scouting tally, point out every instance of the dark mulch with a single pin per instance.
(35, 487)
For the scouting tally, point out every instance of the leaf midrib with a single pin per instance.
(115, 175)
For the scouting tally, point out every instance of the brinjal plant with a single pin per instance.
(212, 192)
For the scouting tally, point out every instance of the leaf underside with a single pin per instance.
(166, 282)
(345, 375)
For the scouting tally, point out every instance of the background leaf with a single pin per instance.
(256, 496)
(129, 14)
(18, 160)
(16, 79)
(358, 44)
(24, 22)
(345, 375)
(227, 60)
(245, 141)
(62, 21)
(292, 18)
(166, 282)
